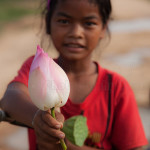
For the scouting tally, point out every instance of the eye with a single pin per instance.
(90, 24)
(63, 21)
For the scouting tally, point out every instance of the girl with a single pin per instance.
(104, 97)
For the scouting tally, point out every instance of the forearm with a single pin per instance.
(16, 102)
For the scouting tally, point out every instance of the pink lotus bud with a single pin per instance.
(48, 84)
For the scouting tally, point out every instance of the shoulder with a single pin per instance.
(29, 60)
(120, 86)
(116, 78)
(25, 67)
(27, 63)
(23, 72)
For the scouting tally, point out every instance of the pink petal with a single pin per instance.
(41, 60)
(37, 87)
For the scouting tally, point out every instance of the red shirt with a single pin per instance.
(125, 130)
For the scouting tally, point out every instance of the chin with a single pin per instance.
(73, 57)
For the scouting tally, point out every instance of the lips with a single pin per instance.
(74, 47)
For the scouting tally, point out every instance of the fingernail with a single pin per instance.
(61, 135)
(58, 126)
(61, 125)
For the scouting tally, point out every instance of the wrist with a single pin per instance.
(33, 117)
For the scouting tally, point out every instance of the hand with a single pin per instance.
(47, 130)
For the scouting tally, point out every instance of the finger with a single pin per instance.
(50, 131)
(46, 116)
(56, 133)
(46, 146)
(45, 137)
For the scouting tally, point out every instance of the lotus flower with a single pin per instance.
(48, 84)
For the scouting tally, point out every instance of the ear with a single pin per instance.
(103, 31)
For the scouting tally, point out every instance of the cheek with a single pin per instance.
(93, 40)
(57, 34)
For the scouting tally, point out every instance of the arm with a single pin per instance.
(17, 104)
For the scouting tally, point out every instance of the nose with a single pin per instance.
(76, 31)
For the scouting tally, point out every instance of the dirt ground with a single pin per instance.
(18, 41)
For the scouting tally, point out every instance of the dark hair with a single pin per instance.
(104, 10)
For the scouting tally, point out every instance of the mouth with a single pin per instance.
(74, 47)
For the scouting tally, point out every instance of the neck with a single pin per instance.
(77, 67)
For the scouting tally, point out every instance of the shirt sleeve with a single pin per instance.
(23, 73)
(127, 130)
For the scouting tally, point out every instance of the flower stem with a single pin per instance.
(53, 112)
(63, 145)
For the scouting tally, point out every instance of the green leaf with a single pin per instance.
(76, 130)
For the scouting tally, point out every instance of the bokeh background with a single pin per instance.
(126, 52)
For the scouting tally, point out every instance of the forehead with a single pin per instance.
(77, 8)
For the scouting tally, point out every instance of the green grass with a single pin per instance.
(12, 10)
(10, 14)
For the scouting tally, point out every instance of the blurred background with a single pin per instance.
(126, 52)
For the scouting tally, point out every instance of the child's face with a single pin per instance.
(76, 28)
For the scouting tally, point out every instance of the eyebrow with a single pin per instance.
(63, 15)
(68, 16)
(91, 17)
